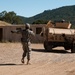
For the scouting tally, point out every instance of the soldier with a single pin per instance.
(25, 40)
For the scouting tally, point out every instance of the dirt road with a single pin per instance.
(57, 62)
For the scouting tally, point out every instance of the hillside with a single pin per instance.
(65, 12)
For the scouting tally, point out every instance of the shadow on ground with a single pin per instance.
(11, 64)
(53, 51)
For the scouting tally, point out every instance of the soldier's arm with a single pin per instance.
(15, 31)
(32, 33)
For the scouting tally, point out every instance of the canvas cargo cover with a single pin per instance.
(63, 25)
(62, 31)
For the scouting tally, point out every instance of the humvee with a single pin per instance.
(58, 33)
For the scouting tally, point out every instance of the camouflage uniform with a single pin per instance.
(25, 40)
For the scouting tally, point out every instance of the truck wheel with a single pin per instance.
(47, 46)
(66, 47)
(73, 48)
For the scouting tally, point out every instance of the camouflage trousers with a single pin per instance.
(26, 50)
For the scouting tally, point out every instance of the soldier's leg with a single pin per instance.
(24, 53)
(28, 53)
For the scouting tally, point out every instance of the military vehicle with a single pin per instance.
(58, 33)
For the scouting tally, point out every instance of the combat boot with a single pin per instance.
(28, 62)
(22, 60)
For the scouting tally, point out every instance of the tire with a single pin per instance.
(66, 47)
(47, 46)
(73, 48)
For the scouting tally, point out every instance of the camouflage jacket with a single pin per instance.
(26, 34)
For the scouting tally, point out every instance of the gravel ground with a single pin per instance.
(57, 62)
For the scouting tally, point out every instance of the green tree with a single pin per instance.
(3, 13)
(10, 17)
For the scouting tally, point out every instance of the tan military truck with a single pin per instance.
(58, 33)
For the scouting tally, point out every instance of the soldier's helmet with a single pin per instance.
(27, 26)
